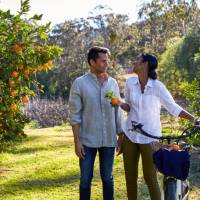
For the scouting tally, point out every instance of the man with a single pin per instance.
(95, 122)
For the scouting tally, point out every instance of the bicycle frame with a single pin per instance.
(173, 189)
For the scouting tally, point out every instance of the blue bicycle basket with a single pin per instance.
(172, 163)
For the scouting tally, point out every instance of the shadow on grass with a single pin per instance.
(27, 150)
(31, 150)
(41, 184)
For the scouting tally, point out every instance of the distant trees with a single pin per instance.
(161, 24)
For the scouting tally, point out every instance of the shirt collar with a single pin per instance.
(95, 77)
(92, 75)
(149, 82)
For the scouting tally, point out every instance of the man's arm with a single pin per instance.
(79, 149)
(75, 106)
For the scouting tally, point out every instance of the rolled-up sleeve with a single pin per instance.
(168, 102)
(75, 104)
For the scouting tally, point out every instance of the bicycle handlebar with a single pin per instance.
(193, 130)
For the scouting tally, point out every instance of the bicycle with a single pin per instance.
(175, 185)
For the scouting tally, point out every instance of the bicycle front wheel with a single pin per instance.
(170, 189)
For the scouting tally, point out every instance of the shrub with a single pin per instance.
(46, 112)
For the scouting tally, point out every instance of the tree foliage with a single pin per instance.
(23, 52)
(187, 54)
(180, 62)
(191, 91)
(165, 19)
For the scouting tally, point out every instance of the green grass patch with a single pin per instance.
(44, 166)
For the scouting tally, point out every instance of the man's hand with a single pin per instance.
(79, 150)
(119, 144)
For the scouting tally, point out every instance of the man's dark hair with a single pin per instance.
(152, 63)
(93, 53)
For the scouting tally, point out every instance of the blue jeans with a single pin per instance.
(106, 157)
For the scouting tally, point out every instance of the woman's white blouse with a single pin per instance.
(145, 107)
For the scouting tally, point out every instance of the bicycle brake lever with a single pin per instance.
(136, 125)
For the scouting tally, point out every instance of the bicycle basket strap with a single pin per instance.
(172, 163)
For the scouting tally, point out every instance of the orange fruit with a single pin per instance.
(115, 101)
(11, 83)
(25, 99)
(13, 92)
(17, 48)
(26, 72)
(15, 74)
(175, 147)
(13, 107)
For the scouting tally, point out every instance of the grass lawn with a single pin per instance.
(44, 167)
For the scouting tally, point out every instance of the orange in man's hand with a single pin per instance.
(115, 101)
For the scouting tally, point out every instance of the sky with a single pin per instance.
(58, 11)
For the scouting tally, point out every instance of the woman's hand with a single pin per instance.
(123, 106)
(119, 144)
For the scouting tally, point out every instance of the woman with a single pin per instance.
(144, 96)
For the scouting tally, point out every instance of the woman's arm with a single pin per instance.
(125, 106)
(169, 103)
(186, 115)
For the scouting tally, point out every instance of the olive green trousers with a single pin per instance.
(131, 155)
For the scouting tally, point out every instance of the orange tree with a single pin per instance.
(24, 52)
